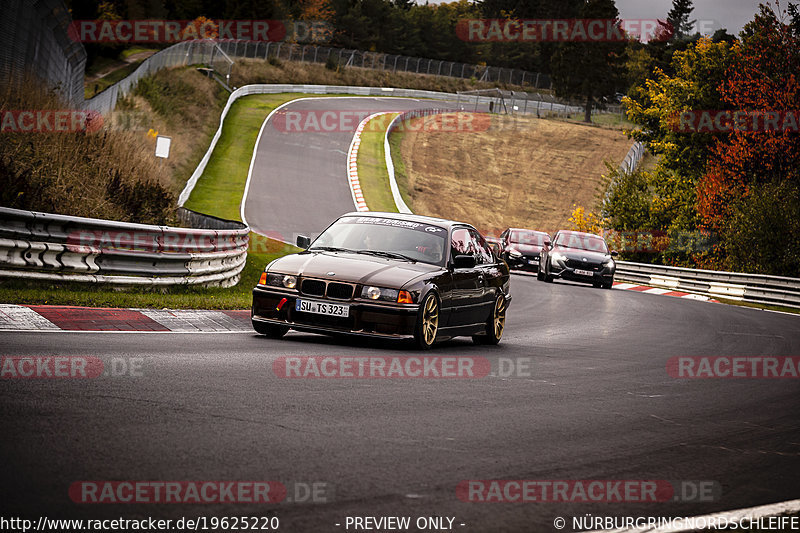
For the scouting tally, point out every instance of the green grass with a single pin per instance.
(605, 120)
(372, 173)
(101, 84)
(400, 173)
(135, 50)
(220, 189)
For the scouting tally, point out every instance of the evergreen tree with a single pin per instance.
(678, 17)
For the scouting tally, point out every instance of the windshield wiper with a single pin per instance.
(392, 255)
(330, 249)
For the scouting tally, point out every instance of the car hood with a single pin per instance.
(353, 268)
(579, 255)
(526, 248)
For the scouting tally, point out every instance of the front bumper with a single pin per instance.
(367, 319)
(526, 262)
(604, 275)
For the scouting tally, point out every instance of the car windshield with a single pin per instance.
(385, 237)
(532, 238)
(580, 241)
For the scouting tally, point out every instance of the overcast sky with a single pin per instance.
(713, 14)
(729, 14)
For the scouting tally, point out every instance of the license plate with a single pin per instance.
(532, 261)
(584, 272)
(322, 308)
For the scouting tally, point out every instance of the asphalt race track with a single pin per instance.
(299, 181)
(596, 404)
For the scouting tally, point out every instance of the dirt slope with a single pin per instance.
(521, 172)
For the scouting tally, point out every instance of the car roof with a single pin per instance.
(571, 232)
(409, 217)
(530, 230)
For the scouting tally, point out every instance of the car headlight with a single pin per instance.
(379, 293)
(610, 264)
(561, 258)
(515, 253)
(281, 280)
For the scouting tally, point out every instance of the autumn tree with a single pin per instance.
(755, 171)
(655, 107)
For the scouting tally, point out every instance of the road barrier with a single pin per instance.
(755, 288)
(43, 246)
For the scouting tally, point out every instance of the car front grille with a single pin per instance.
(340, 291)
(313, 287)
(333, 290)
(584, 265)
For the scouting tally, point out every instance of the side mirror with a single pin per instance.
(548, 244)
(464, 261)
(614, 253)
(496, 249)
(303, 242)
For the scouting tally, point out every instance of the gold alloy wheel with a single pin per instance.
(499, 317)
(430, 320)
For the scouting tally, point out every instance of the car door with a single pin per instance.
(489, 277)
(467, 293)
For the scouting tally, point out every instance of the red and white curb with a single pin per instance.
(662, 292)
(352, 164)
(71, 318)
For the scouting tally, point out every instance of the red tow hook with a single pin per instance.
(280, 304)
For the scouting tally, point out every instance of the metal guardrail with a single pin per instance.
(755, 288)
(46, 246)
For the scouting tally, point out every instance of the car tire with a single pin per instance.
(270, 330)
(608, 285)
(495, 324)
(427, 328)
(540, 275)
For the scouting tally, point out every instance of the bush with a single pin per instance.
(761, 233)
(627, 206)
(332, 63)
